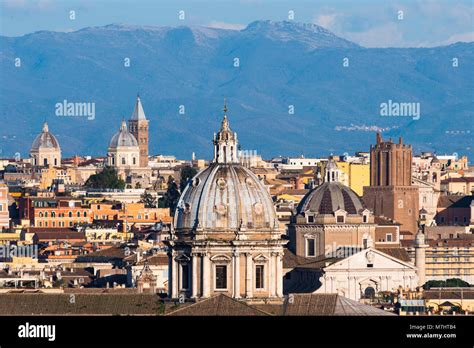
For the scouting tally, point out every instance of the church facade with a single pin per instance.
(226, 237)
(367, 273)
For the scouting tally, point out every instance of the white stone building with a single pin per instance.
(366, 273)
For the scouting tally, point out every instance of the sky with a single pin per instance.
(370, 23)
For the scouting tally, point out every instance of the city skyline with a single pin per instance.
(247, 159)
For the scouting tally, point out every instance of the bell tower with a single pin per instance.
(391, 192)
(138, 125)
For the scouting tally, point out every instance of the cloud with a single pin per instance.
(387, 35)
(225, 25)
(326, 20)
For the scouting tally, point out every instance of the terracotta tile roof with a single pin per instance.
(449, 294)
(454, 201)
(290, 260)
(294, 192)
(398, 253)
(60, 234)
(220, 305)
(442, 243)
(461, 179)
(84, 304)
(327, 304)
(104, 255)
(155, 260)
(382, 220)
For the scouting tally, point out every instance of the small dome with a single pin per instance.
(123, 138)
(330, 197)
(45, 140)
(225, 197)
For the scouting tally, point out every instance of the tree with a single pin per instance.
(187, 173)
(148, 200)
(449, 283)
(106, 179)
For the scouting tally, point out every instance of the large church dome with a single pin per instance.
(123, 138)
(226, 196)
(330, 197)
(45, 140)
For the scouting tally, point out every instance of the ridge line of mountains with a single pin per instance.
(291, 89)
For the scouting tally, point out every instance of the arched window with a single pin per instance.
(369, 292)
(85, 214)
(40, 214)
(53, 214)
(45, 214)
(70, 214)
(78, 214)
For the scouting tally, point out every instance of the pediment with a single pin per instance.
(220, 258)
(182, 258)
(260, 258)
(376, 258)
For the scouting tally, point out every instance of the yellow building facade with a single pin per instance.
(356, 175)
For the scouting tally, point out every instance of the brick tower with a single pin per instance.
(391, 193)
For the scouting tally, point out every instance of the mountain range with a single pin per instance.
(291, 89)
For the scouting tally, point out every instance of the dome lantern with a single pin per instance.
(225, 143)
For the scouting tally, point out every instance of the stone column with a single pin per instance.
(248, 278)
(236, 263)
(279, 275)
(351, 289)
(206, 276)
(271, 275)
(195, 261)
(174, 278)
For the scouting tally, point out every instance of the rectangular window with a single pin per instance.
(388, 237)
(311, 219)
(310, 247)
(340, 219)
(221, 277)
(259, 277)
